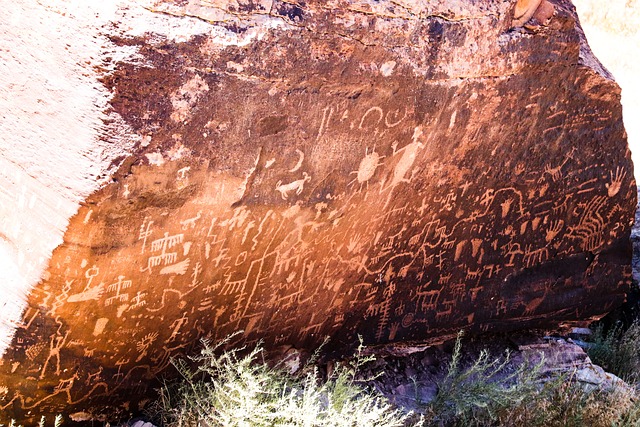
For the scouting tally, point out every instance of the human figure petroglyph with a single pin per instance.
(55, 345)
(145, 232)
(295, 186)
(90, 274)
(176, 325)
(120, 363)
(89, 293)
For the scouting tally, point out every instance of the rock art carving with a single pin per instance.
(403, 190)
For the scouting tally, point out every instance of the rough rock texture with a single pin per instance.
(396, 170)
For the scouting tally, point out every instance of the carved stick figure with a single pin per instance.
(54, 351)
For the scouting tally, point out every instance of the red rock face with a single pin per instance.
(398, 174)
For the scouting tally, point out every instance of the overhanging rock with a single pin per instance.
(396, 170)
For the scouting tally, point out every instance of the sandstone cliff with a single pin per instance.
(392, 169)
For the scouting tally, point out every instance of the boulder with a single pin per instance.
(395, 170)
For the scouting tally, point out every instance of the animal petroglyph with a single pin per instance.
(295, 186)
(190, 222)
(368, 166)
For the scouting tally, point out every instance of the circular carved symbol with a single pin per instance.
(407, 320)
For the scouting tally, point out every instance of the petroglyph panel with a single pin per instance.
(367, 201)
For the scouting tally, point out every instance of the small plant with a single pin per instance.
(230, 389)
(617, 350)
(478, 394)
(491, 393)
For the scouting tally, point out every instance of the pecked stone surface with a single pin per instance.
(395, 170)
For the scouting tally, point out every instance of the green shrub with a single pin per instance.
(237, 388)
(478, 394)
(231, 389)
(490, 392)
(617, 350)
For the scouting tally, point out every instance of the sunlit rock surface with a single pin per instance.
(396, 170)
